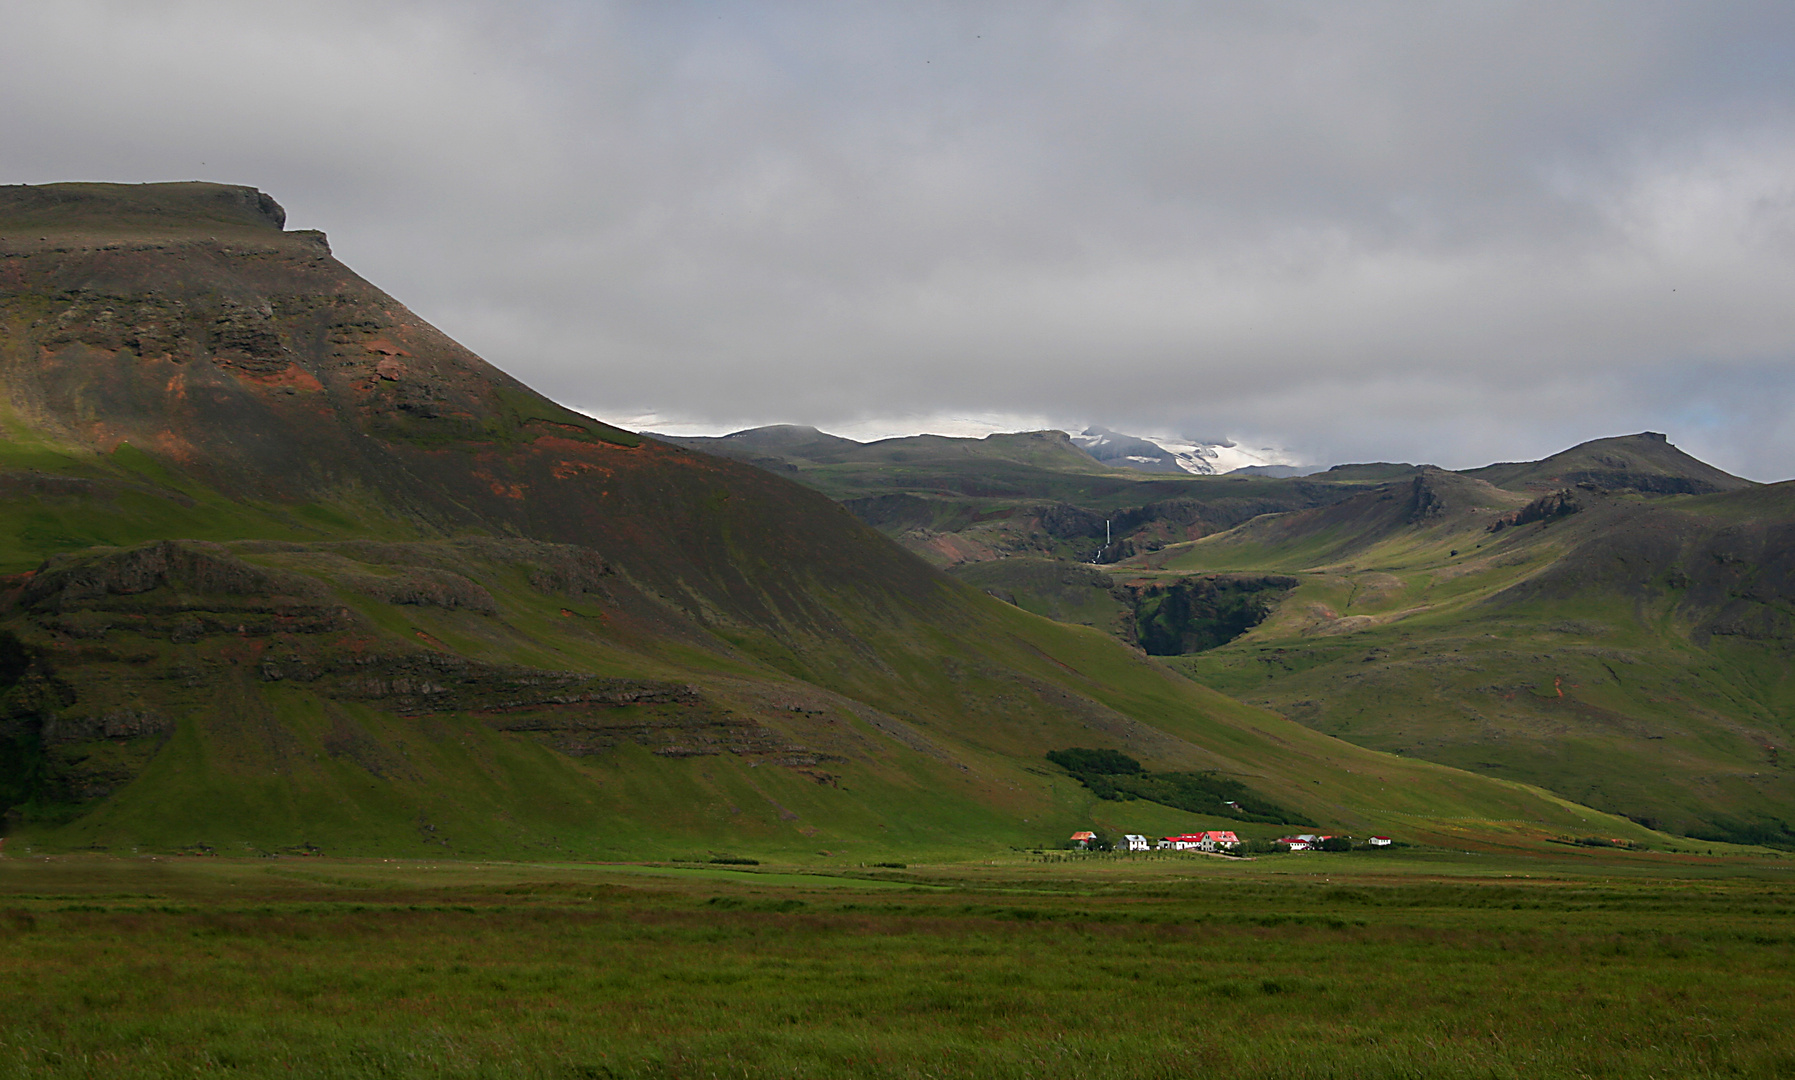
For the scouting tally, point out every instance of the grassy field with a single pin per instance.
(1391, 964)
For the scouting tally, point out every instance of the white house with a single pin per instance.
(1134, 842)
(1379, 841)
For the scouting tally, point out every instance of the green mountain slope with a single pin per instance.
(1629, 651)
(288, 567)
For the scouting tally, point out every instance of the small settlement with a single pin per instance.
(1203, 841)
(1218, 840)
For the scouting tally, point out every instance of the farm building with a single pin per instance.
(1203, 841)
(1134, 842)
(1310, 841)
(1084, 839)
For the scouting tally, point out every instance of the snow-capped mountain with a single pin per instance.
(1175, 455)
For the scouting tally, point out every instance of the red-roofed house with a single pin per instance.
(1084, 839)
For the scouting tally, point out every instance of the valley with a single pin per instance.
(1612, 623)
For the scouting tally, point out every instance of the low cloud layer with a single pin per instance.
(1455, 233)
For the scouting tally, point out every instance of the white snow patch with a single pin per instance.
(1214, 458)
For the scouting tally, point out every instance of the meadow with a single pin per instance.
(1410, 963)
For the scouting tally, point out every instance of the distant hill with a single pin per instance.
(957, 501)
(1377, 472)
(285, 569)
(791, 444)
(776, 446)
(1645, 462)
(1273, 470)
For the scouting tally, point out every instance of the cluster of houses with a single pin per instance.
(1203, 841)
(1313, 841)
(1216, 840)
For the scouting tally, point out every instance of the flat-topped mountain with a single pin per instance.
(289, 567)
(118, 211)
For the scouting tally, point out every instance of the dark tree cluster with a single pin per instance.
(1202, 613)
(1113, 775)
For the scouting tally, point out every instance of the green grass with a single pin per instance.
(55, 499)
(1388, 965)
(1051, 588)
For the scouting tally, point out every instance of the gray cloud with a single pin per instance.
(1455, 232)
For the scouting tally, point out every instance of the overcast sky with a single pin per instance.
(1448, 232)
